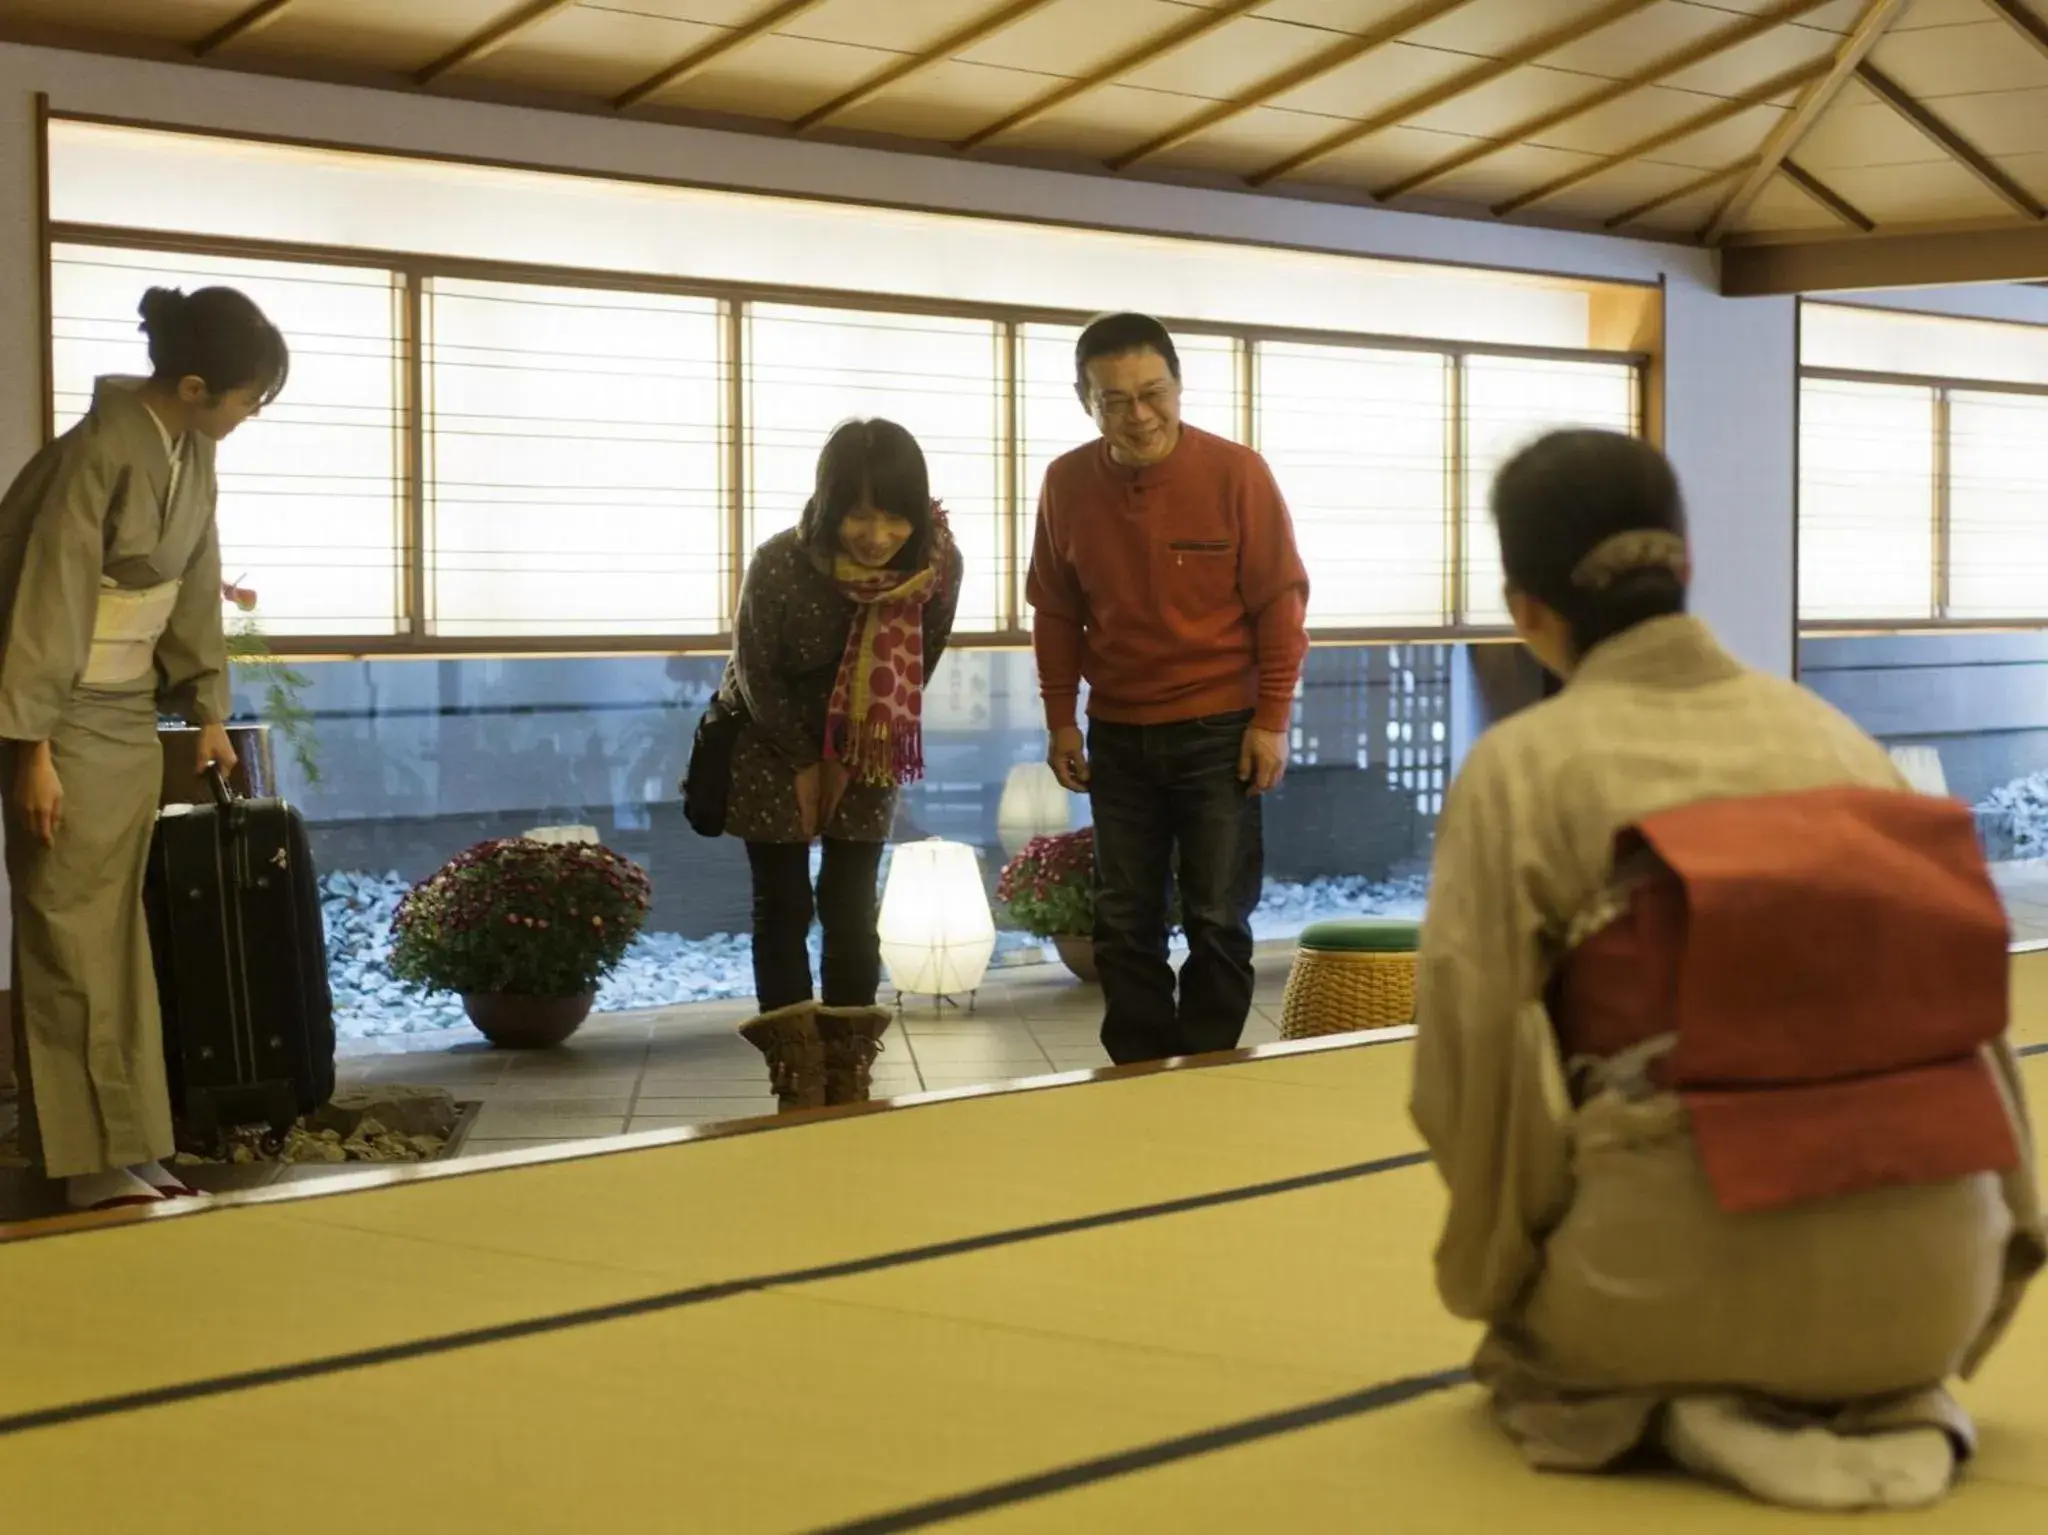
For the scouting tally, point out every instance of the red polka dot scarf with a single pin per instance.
(875, 727)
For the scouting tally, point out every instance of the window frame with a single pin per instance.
(1940, 524)
(412, 274)
(382, 499)
(451, 361)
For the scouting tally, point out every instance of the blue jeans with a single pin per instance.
(1158, 790)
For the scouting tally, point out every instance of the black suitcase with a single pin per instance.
(241, 963)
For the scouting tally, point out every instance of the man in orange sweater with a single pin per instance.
(1164, 572)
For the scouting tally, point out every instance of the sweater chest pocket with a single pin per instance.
(1198, 575)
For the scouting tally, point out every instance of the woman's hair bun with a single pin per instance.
(160, 308)
(216, 335)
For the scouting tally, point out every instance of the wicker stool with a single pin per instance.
(1353, 973)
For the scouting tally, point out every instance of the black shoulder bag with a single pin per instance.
(707, 781)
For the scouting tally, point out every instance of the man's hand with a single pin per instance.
(809, 798)
(38, 792)
(1068, 758)
(1262, 760)
(214, 749)
(832, 782)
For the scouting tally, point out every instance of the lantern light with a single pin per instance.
(1033, 805)
(1920, 766)
(937, 931)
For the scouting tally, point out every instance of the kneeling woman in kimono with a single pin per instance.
(110, 607)
(1711, 1043)
(841, 623)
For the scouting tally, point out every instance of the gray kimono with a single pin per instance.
(1580, 1227)
(110, 609)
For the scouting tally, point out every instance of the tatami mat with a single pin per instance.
(1195, 1301)
(423, 1259)
(1437, 1466)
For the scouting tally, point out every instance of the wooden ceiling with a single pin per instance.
(1735, 123)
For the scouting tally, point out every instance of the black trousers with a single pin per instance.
(1157, 790)
(846, 906)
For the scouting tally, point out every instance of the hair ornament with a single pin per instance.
(1627, 553)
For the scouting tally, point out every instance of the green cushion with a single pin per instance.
(1363, 935)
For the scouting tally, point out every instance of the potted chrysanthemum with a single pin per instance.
(1048, 890)
(524, 931)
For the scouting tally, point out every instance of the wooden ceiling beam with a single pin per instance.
(1959, 149)
(964, 37)
(2012, 252)
(2024, 21)
(1720, 112)
(1462, 83)
(1679, 193)
(245, 24)
(1523, 132)
(1200, 24)
(702, 57)
(1315, 67)
(1833, 201)
(1850, 57)
(493, 37)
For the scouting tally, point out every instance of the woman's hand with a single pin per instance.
(214, 747)
(809, 794)
(39, 792)
(832, 782)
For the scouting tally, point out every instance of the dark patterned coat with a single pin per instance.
(788, 640)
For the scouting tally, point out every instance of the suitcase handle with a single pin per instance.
(217, 782)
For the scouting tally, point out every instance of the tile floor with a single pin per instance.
(688, 1066)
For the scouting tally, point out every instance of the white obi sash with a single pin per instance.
(125, 628)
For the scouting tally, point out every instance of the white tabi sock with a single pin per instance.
(1717, 1438)
(161, 1179)
(89, 1189)
(1911, 1468)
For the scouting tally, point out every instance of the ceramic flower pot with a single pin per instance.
(526, 1023)
(1078, 955)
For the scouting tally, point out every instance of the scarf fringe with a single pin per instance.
(879, 755)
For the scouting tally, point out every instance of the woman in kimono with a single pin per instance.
(842, 621)
(1711, 1046)
(110, 611)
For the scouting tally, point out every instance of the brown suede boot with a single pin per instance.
(853, 1038)
(788, 1037)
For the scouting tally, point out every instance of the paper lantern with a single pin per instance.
(936, 928)
(1921, 767)
(1033, 805)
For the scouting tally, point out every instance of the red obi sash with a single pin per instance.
(1833, 964)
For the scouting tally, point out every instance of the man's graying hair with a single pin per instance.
(1114, 335)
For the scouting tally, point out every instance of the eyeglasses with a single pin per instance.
(1156, 398)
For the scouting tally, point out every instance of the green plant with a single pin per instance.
(514, 917)
(282, 684)
(1048, 890)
